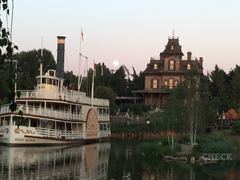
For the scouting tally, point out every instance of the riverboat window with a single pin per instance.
(99, 110)
(50, 81)
(68, 126)
(80, 127)
(47, 81)
(103, 127)
(55, 82)
(79, 109)
(44, 80)
(51, 73)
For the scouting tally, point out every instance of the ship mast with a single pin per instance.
(80, 78)
(41, 60)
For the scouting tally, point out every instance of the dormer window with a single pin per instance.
(155, 66)
(188, 66)
(172, 47)
(171, 65)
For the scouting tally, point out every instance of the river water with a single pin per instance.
(117, 160)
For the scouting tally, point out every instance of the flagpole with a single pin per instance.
(93, 83)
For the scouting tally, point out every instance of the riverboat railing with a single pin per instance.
(51, 113)
(72, 96)
(55, 133)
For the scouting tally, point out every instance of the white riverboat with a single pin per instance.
(52, 114)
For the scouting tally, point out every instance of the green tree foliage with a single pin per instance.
(73, 80)
(27, 70)
(234, 81)
(219, 87)
(120, 82)
(106, 93)
(28, 66)
(6, 52)
(190, 107)
(137, 81)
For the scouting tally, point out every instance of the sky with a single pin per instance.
(130, 31)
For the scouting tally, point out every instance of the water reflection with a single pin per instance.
(81, 162)
(125, 163)
(100, 162)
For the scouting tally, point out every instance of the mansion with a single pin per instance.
(166, 73)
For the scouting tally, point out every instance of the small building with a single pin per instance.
(166, 72)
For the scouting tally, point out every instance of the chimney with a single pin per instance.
(60, 56)
(201, 61)
(189, 56)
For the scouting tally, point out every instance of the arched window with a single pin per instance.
(188, 66)
(171, 65)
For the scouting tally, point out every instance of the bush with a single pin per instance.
(157, 149)
(213, 144)
(137, 109)
(236, 127)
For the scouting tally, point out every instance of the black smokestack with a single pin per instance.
(60, 56)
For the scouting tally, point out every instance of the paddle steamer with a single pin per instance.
(52, 114)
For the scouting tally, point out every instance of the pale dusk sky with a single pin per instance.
(131, 31)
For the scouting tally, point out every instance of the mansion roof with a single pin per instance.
(173, 51)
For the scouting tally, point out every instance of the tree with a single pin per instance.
(219, 88)
(120, 82)
(106, 93)
(234, 80)
(175, 113)
(6, 53)
(28, 66)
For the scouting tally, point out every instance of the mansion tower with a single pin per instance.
(166, 73)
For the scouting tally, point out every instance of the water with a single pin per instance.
(117, 160)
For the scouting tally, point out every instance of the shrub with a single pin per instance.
(236, 127)
(213, 144)
(157, 149)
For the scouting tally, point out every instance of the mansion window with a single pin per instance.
(154, 83)
(155, 66)
(188, 66)
(166, 83)
(176, 83)
(171, 65)
(170, 83)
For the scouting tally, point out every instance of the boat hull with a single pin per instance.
(13, 135)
